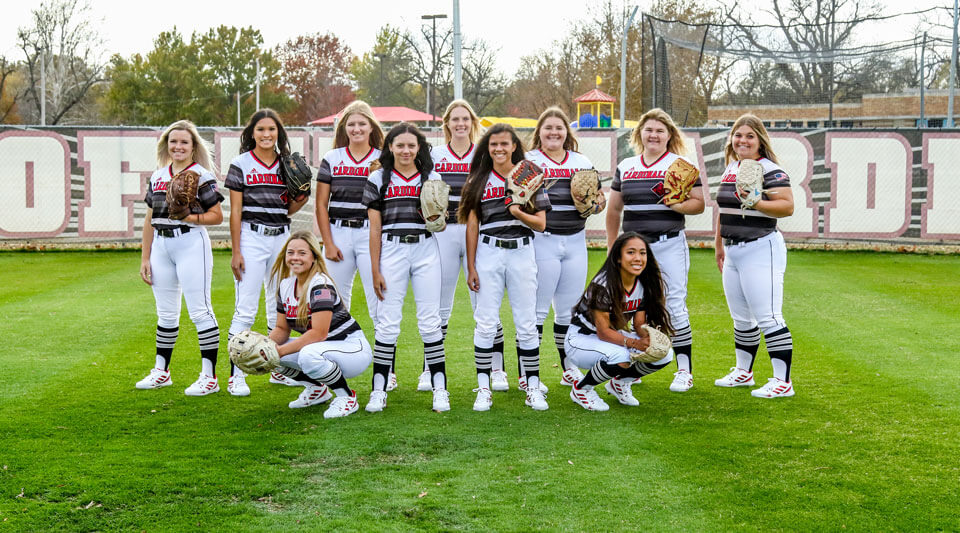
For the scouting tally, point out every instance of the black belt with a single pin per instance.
(173, 232)
(734, 242)
(408, 239)
(661, 237)
(509, 244)
(269, 231)
(350, 223)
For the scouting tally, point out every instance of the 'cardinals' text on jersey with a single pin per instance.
(453, 169)
(583, 315)
(641, 185)
(347, 176)
(264, 191)
(495, 218)
(747, 224)
(323, 296)
(399, 204)
(563, 218)
(208, 195)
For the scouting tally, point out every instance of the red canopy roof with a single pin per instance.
(594, 95)
(385, 114)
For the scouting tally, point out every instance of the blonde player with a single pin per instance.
(752, 257)
(561, 247)
(177, 256)
(637, 193)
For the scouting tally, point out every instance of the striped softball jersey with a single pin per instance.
(641, 184)
(323, 297)
(347, 176)
(453, 169)
(747, 224)
(495, 218)
(563, 218)
(583, 315)
(399, 206)
(264, 190)
(208, 194)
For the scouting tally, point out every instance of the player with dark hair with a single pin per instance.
(638, 193)
(562, 247)
(499, 235)
(626, 291)
(402, 251)
(260, 210)
(177, 257)
(752, 257)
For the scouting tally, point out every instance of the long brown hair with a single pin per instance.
(610, 294)
(676, 144)
(359, 107)
(281, 271)
(766, 150)
(570, 142)
(247, 142)
(480, 169)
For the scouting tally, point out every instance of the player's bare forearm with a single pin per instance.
(536, 221)
(693, 205)
(210, 217)
(375, 234)
(779, 204)
(321, 205)
(614, 208)
(281, 332)
(295, 205)
(146, 238)
(236, 209)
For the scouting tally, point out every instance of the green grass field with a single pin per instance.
(870, 441)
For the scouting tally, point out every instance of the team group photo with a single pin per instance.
(440, 279)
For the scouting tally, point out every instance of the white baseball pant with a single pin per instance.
(354, 245)
(353, 355)
(673, 256)
(585, 349)
(753, 282)
(452, 243)
(516, 271)
(561, 274)
(259, 253)
(419, 265)
(183, 264)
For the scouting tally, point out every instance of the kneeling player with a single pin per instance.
(628, 286)
(331, 346)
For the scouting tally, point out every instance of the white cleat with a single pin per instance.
(523, 385)
(498, 381)
(424, 383)
(312, 395)
(484, 400)
(157, 378)
(775, 388)
(203, 386)
(682, 381)
(392, 382)
(342, 406)
(570, 376)
(378, 401)
(620, 389)
(280, 379)
(441, 400)
(237, 386)
(737, 377)
(536, 400)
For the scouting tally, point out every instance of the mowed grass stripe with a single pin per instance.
(847, 451)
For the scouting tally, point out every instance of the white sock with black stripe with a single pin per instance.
(746, 343)
(780, 347)
(436, 362)
(682, 341)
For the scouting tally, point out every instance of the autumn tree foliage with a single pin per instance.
(315, 72)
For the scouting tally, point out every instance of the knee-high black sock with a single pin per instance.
(436, 362)
(682, 341)
(498, 346)
(297, 375)
(645, 369)
(483, 359)
(383, 355)
(601, 372)
(209, 340)
(559, 333)
(335, 380)
(745, 343)
(780, 348)
(166, 338)
(529, 362)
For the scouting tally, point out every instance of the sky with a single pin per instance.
(515, 27)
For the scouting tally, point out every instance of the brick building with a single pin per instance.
(890, 110)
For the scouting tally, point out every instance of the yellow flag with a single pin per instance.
(599, 81)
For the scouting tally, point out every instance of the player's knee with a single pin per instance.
(744, 325)
(314, 364)
(168, 319)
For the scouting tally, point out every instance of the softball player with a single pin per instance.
(402, 251)
(461, 127)
(627, 288)
(752, 258)
(259, 223)
(561, 248)
(176, 256)
(637, 192)
(331, 346)
(500, 255)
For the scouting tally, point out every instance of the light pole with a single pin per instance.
(623, 67)
(433, 62)
(457, 47)
(381, 57)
